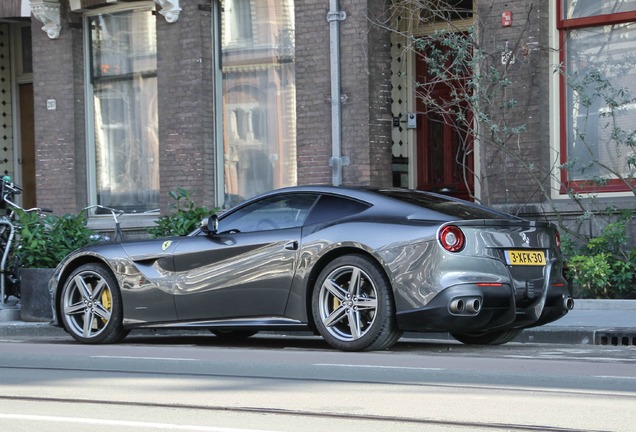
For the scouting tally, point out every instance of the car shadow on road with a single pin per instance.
(302, 341)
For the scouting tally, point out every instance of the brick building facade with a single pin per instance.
(244, 100)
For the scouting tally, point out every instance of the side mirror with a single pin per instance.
(213, 224)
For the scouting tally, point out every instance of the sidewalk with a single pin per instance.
(596, 322)
(591, 322)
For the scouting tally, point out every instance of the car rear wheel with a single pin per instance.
(91, 305)
(488, 338)
(352, 305)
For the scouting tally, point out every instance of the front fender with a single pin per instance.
(67, 266)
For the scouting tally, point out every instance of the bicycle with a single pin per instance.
(9, 225)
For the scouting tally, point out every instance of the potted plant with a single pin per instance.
(42, 244)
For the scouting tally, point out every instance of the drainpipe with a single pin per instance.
(337, 161)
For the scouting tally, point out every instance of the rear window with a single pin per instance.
(445, 205)
(331, 207)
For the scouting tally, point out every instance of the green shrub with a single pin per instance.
(604, 267)
(186, 216)
(44, 242)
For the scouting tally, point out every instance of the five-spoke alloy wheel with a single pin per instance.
(353, 307)
(91, 306)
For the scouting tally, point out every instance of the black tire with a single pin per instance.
(234, 334)
(91, 305)
(488, 338)
(358, 316)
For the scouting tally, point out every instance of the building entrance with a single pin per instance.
(445, 160)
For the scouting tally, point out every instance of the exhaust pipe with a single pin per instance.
(465, 305)
(457, 305)
(568, 303)
(473, 305)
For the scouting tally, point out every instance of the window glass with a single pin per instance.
(26, 63)
(238, 22)
(601, 111)
(446, 10)
(259, 94)
(123, 80)
(331, 207)
(280, 212)
(588, 8)
(445, 205)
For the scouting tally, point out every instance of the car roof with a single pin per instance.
(413, 204)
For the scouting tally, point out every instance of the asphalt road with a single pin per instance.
(300, 384)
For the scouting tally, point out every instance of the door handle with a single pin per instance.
(292, 245)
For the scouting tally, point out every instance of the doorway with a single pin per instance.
(445, 161)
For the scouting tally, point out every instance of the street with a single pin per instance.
(284, 383)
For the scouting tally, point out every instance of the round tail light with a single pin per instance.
(452, 238)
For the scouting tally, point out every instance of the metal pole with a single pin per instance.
(334, 16)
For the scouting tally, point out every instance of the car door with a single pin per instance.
(247, 267)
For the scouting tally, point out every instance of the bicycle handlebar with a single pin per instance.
(9, 189)
(39, 210)
(110, 209)
(114, 212)
(8, 184)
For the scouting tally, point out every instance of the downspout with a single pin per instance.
(336, 162)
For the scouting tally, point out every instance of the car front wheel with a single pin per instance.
(488, 338)
(352, 305)
(91, 305)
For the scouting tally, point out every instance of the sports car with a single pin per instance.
(359, 266)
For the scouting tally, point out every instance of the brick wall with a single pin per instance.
(186, 118)
(365, 86)
(313, 92)
(509, 172)
(58, 177)
(380, 127)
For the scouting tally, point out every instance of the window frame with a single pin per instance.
(564, 25)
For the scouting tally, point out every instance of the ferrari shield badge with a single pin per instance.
(166, 244)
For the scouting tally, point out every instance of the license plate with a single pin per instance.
(525, 258)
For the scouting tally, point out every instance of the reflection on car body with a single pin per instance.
(358, 266)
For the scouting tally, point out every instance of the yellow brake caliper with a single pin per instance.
(107, 302)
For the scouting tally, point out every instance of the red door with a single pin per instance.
(444, 137)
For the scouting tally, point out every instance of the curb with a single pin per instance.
(540, 335)
(31, 329)
(579, 332)
(604, 305)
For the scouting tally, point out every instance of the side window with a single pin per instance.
(287, 211)
(331, 207)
